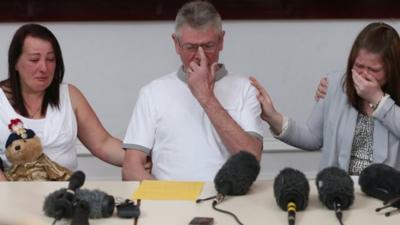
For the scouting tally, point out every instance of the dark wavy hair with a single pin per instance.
(382, 39)
(52, 93)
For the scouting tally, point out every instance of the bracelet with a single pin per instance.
(374, 106)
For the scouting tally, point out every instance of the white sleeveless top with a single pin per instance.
(57, 131)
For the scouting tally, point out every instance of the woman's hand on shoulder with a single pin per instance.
(267, 106)
(268, 114)
(322, 89)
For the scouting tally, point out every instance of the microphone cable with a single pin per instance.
(205, 199)
(218, 198)
(214, 206)
(338, 212)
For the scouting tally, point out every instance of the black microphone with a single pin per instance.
(64, 203)
(101, 205)
(234, 178)
(81, 214)
(335, 189)
(291, 190)
(76, 180)
(237, 175)
(382, 182)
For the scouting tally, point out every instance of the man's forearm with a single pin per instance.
(135, 174)
(133, 167)
(232, 135)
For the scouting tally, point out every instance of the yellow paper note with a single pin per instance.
(168, 190)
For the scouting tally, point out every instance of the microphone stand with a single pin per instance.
(395, 202)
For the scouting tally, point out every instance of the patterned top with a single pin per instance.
(361, 151)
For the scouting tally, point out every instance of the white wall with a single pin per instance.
(110, 61)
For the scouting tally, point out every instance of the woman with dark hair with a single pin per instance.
(58, 112)
(358, 121)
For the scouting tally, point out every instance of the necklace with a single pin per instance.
(32, 113)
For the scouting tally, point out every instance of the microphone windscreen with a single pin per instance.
(101, 204)
(380, 181)
(291, 185)
(335, 186)
(76, 180)
(56, 206)
(237, 174)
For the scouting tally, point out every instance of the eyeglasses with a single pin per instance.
(208, 47)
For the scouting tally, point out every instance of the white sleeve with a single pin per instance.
(250, 115)
(141, 129)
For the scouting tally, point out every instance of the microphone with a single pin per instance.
(234, 178)
(81, 214)
(335, 189)
(76, 180)
(63, 204)
(382, 182)
(237, 175)
(101, 205)
(291, 190)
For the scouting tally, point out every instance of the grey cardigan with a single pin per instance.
(331, 125)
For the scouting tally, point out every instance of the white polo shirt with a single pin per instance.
(169, 123)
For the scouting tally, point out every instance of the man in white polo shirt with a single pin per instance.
(191, 121)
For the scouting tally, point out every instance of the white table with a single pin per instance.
(22, 204)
